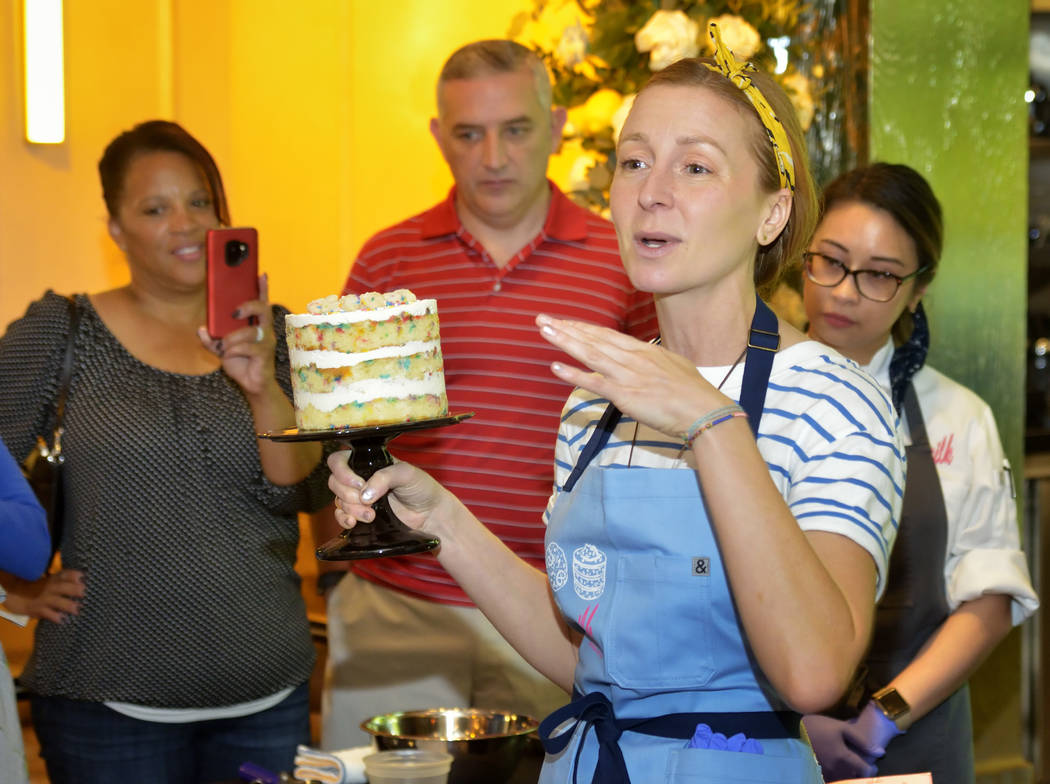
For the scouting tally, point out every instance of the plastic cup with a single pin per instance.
(408, 766)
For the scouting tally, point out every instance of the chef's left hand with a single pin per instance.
(647, 382)
(247, 353)
(838, 758)
(873, 729)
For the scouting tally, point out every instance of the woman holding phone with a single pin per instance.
(958, 579)
(724, 501)
(173, 645)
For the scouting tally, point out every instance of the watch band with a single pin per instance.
(890, 702)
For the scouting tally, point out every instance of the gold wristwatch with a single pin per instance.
(890, 702)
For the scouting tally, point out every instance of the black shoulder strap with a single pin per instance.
(67, 373)
(56, 512)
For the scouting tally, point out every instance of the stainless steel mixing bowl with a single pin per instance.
(485, 745)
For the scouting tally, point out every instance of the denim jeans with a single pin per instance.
(89, 743)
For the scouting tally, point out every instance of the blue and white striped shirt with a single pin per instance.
(829, 435)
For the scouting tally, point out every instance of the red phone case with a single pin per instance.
(233, 277)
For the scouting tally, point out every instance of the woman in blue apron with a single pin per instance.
(725, 499)
(957, 576)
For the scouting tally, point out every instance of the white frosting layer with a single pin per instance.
(370, 389)
(418, 308)
(332, 359)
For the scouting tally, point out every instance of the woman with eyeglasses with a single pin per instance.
(957, 579)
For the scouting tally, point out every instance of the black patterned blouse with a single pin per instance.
(192, 600)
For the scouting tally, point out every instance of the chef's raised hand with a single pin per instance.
(647, 382)
(412, 493)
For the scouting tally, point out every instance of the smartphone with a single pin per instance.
(233, 277)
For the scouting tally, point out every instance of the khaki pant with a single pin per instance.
(388, 652)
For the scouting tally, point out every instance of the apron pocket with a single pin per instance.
(660, 624)
(708, 766)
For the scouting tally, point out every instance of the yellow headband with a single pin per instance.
(736, 72)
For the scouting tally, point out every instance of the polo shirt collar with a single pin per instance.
(565, 221)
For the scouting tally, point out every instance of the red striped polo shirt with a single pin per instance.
(500, 462)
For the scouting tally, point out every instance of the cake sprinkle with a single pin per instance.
(349, 303)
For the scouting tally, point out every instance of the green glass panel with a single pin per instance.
(947, 97)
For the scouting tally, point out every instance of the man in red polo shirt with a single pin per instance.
(505, 245)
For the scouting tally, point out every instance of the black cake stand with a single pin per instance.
(386, 535)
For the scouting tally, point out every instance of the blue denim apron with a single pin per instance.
(634, 565)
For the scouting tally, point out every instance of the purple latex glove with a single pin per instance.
(848, 749)
(705, 738)
(872, 730)
(257, 774)
(838, 758)
(740, 742)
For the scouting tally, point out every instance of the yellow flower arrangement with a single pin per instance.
(600, 52)
(738, 35)
(668, 36)
(595, 114)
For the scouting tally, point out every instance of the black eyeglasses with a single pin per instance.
(875, 285)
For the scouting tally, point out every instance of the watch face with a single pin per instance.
(892, 703)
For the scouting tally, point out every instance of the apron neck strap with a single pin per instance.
(763, 342)
(913, 415)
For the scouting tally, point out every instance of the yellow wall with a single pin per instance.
(316, 113)
(52, 221)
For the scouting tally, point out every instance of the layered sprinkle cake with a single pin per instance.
(372, 359)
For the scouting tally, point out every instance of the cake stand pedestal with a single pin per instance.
(386, 535)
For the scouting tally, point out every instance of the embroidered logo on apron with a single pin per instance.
(588, 572)
(557, 566)
(701, 566)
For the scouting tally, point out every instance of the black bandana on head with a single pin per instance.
(909, 357)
